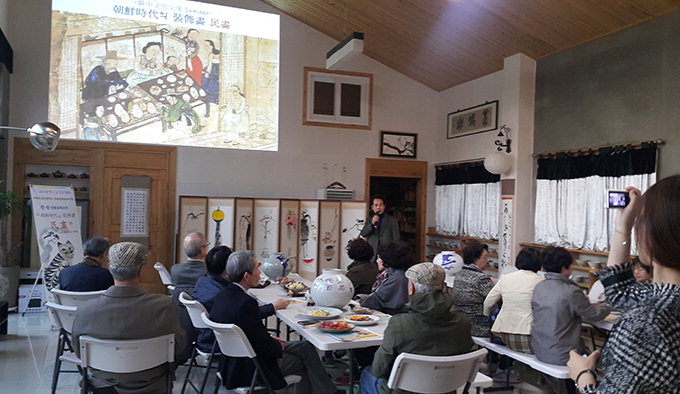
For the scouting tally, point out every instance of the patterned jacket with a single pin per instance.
(642, 354)
(470, 288)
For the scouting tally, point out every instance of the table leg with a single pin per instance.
(350, 389)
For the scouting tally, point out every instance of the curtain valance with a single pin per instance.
(464, 174)
(606, 162)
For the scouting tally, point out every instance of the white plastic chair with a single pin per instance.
(74, 298)
(166, 278)
(435, 374)
(126, 356)
(234, 343)
(195, 309)
(63, 317)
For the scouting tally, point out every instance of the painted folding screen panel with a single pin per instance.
(289, 225)
(243, 224)
(352, 221)
(329, 234)
(192, 218)
(266, 226)
(221, 222)
(309, 238)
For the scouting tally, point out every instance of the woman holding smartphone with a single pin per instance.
(642, 354)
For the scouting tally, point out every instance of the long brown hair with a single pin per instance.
(658, 225)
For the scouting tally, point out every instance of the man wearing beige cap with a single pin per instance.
(127, 311)
(428, 328)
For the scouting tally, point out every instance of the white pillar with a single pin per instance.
(517, 185)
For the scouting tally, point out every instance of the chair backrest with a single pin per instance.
(195, 309)
(233, 342)
(166, 278)
(62, 315)
(128, 355)
(434, 374)
(75, 298)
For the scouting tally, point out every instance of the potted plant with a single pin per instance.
(9, 271)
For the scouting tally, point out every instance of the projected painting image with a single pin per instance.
(173, 73)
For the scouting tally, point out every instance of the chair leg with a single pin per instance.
(208, 367)
(192, 361)
(57, 361)
(84, 385)
(218, 381)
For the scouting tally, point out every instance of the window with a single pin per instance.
(337, 98)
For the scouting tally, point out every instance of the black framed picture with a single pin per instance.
(473, 120)
(397, 144)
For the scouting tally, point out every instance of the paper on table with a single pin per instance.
(355, 334)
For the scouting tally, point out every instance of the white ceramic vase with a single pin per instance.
(275, 265)
(332, 289)
(449, 260)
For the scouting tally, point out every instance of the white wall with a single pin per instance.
(467, 148)
(296, 170)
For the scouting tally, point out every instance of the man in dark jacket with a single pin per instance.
(89, 275)
(429, 328)
(276, 357)
(379, 228)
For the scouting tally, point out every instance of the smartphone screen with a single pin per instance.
(618, 199)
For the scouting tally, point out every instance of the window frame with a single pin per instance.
(338, 77)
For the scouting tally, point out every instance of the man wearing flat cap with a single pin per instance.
(428, 328)
(127, 311)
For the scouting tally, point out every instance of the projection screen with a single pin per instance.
(165, 72)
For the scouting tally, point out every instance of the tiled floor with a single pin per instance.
(27, 359)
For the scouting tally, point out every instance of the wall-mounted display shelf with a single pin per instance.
(437, 242)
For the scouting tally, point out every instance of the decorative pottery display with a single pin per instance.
(332, 288)
(275, 265)
(450, 261)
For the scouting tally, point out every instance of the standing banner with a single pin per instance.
(57, 225)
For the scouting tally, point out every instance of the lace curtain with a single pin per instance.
(467, 202)
(571, 195)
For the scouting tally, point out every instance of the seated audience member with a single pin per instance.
(558, 305)
(89, 274)
(429, 328)
(208, 286)
(392, 294)
(184, 277)
(513, 323)
(362, 272)
(276, 357)
(641, 272)
(471, 286)
(128, 311)
(642, 354)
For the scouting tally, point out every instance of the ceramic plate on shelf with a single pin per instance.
(320, 313)
(335, 327)
(362, 320)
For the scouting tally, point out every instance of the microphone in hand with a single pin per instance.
(376, 222)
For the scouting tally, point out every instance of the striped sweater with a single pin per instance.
(642, 354)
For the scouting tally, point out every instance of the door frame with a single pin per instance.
(403, 169)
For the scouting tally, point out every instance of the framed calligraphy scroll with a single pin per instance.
(473, 120)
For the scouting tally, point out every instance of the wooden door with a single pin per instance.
(413, 170)
(160, 219)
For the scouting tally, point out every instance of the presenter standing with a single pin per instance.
(379, 228)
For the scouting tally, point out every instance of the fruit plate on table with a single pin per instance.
(296, 289)
(320, 313)
(334, 327)
(360, 310)
(362, 320)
